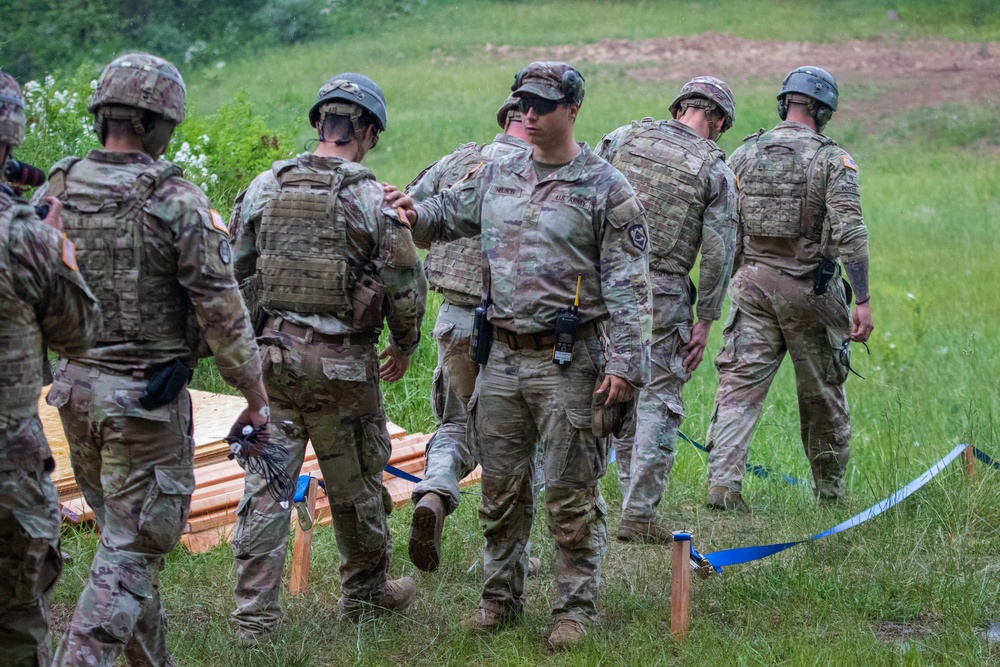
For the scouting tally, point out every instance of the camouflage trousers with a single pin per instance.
(30, 561)
(773, 313)
(645, 452)
(524, 401)
(448, 459)
(135, 469)
(327, 394)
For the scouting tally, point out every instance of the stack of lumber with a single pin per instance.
(219, 481)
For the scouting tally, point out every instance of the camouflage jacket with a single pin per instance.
(711, 214)
(455, 268)
(539, 236)
(181, 235)
(373, 239)
(44, 303)
(833, 191)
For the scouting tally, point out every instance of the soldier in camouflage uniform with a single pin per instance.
(689, 195)
(158, 259)
(311, 233)
(44, 303)
(548, 219)
(800, 212)
(455, 270)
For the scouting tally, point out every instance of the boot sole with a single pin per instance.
(425, 538)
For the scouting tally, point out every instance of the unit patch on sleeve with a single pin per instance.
(849, 162)
(218, 222)
(69, 254)
(637, 235)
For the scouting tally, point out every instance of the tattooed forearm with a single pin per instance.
(857, 273)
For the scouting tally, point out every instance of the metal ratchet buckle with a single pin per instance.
(700, 565)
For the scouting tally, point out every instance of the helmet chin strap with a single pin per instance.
(154, 139)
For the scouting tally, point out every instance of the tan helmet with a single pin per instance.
(508, 112)
(11, 111)
(711, 89)
(134, 86)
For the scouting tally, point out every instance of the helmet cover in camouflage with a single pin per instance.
(551, 80)
(813, 82)
(711, 89)
(141, 81)
(352, 88)
(11, 111)
(508, 112)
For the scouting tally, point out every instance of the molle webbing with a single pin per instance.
(303, 244)
(455, 268)
(669, 174)
(775, 188)
(110, 248)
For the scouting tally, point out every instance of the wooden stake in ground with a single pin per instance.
(302, 546)
(969, 462)
(680, 585)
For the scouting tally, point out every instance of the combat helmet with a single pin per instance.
(707, 88)
(351, 94)
(11, 111)
(508, 112)
(145, 89)
(813, 83)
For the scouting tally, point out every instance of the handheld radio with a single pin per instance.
(567, 322)
(482, 334)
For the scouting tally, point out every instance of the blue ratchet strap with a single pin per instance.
(755, 470)
(985, 458)
(721, 559)
(301, 489)
(402, 474)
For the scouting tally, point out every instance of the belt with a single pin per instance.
(310, 335)
(541, 340)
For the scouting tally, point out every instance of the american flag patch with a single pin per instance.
(850, 163)
(69, 253)
(219, 224)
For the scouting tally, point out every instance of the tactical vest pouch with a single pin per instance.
(165, 385)
(368, 300)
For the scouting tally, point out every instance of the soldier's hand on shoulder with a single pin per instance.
(54, 218)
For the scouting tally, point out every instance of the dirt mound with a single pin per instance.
(907, 74)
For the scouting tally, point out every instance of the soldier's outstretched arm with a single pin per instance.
(453, 213)
(45, 273)
(625, 285)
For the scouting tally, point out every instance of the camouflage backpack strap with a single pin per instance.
(57, 177)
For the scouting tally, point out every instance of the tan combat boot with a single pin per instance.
(396, 595)
(645, 531)
(487, 620)
(425, 532)
(567, 632)
(724, 498)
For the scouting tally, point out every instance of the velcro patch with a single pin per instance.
(849, 162)
(218, 222)
(638, 236)
(69, 254)
(505, 192)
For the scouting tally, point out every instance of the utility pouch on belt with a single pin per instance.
(482, 334)
(821, 279)
(367, 300)
(165, 384)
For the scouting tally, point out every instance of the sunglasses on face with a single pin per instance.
(541, 105)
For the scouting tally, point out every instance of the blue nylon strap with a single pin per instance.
(301, 488)
(755, 470)
(721, 559)
(985, 458)
(402, 474)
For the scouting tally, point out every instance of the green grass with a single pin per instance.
(931, 199)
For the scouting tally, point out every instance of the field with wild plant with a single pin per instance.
(920, 91)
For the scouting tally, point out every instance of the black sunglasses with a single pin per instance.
(845, 357)
(541, 105)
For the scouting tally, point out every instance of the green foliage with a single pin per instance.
(224, 151)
